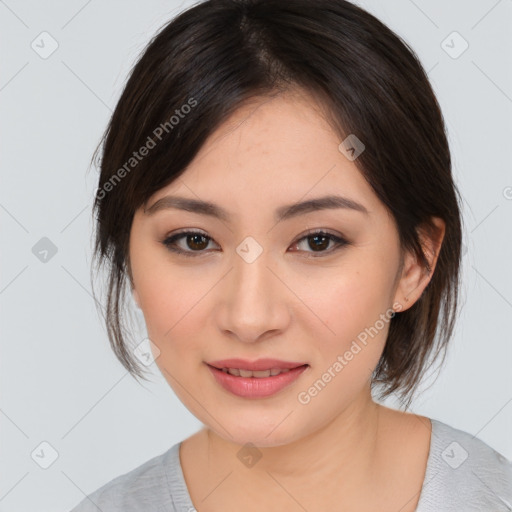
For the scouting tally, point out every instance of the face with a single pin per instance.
(251, 286)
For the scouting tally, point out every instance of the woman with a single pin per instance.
(276, 191)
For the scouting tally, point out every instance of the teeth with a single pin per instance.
(258, 374)
(248, 373)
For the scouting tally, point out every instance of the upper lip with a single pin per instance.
(259, 364)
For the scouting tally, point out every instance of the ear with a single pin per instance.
(415, 277)
(130, 277)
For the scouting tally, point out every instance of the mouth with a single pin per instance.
(260, 368)
(261, 383)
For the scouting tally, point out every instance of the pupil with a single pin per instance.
(321, 246)
(194, 238)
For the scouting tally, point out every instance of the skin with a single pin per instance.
(341, 450)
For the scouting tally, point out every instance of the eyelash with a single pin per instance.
(170, 241)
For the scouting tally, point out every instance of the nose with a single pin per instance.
(252, 304)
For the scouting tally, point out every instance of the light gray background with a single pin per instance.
(60, 382)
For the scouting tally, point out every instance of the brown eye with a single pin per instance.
(195, 243)
(318, 242)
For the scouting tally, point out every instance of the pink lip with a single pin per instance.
(256, 387)
(259, 364)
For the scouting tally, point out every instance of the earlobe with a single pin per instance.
(410, 285)
(415, 277)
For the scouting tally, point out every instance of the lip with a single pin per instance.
(259, 364)
(256, 387)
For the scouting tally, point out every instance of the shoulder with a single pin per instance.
(147, 487)
(464, 470)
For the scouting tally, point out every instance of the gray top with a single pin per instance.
(462, 471)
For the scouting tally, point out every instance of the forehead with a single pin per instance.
(288, 126)
(270, 152)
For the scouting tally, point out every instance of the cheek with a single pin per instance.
(355, 321)
(344, 303)
(345, 358)
(173, 302)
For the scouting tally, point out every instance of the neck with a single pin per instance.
(345, 448)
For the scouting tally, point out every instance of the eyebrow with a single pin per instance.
(282, 213)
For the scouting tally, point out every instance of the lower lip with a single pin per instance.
(255, 387)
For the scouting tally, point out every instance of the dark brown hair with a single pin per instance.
(216, 55)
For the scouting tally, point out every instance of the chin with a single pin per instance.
(264, 434)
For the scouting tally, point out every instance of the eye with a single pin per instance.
(198, 241)
(318, 241)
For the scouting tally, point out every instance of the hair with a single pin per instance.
(219, 54)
